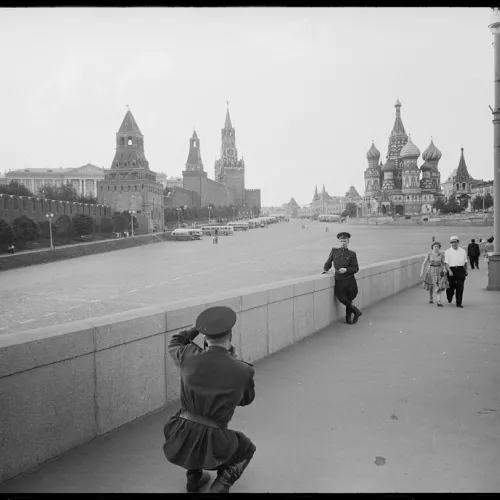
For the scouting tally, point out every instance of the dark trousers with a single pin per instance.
(244, 451)
(456, 284)
(474, 261)
(346, 291)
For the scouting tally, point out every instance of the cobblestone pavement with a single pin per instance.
(98, 285)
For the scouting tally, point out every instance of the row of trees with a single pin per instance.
(64, 192)
(25, 230)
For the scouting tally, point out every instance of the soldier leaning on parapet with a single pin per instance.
(213, 383)
(346, 266)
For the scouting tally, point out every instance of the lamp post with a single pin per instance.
(209, 209)
(179, 210)
(132, 213)
(50, 217)
(494, 264)
(234, 208)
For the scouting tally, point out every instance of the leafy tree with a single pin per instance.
(48, 192)
(453, 206)
(7, 235)
(351, 210)
(15, 188)
(440, 205)
(87, 199)
(25, 229)
(167, 190)
(106, 225)
(64, 225)
(128, 218)
(83, 224)
(119, 223)
(488, 201)
(66, 192)
(477, 203)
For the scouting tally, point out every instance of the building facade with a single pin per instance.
(130, 184)
(400, 186)
(323, 203)
(84, 179)
(464, 187)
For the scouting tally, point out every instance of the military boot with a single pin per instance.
(348, 318)
(228, 475)
(357, 314)
(196, 478)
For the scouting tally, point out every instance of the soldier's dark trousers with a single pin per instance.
(346, 291)
(474, 261)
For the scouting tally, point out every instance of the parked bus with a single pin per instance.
(328, 218)
(187, 234)
(225, 230)
(239, 226)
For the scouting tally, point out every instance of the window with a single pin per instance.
(194, 145)
(129, 141)
(122, 141)
(125, 163)
(101, 187)
(109, 188)
(121, 187)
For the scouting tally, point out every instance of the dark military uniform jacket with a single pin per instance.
(213, 384)
(342, 257)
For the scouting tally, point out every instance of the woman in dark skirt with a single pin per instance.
(435, 276)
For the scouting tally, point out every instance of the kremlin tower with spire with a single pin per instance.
(395, 187)
(129, 184)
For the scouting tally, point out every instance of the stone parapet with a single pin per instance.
(67, 384)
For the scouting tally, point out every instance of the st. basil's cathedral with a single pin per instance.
(396, 187)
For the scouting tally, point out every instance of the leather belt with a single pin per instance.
(187, 415)
(456, 267)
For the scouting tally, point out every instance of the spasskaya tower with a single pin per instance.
(228, 169)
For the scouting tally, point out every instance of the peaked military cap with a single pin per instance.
(214, 322)
(343, 234)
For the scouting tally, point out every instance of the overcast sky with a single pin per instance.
(308, 88)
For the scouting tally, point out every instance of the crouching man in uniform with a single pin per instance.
(346, 266)
(213, 383)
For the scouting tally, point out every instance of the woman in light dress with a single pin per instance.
(488, 249)
(436, 276)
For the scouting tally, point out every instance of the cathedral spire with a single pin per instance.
(316, 191)
(398, 128)
(194, 157)
(462, 172)
(228, 125)
(129, 125)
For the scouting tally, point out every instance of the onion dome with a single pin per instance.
(389, 166)
(409, 150)
(373, 153)
(432, 153)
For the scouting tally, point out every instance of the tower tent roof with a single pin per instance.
(462, 174)
(129, 125)
(228, 125)
(398, 128)
(292, 203)
(352, 193)
(194, 136)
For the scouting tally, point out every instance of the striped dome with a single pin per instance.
(410, 150)
(373, 153)
(432, 153)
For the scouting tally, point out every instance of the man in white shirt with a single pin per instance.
(455, 259)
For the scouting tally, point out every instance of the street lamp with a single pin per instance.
(494, 263)
(50, 217)
(209, 209)
(179, 210)
(132, 213)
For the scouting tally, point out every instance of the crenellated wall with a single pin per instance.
(67, 384)
(12, 207)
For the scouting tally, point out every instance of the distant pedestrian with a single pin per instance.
(435, 275)
(455, 259)
(11, 249)
(216, 237)
(473, 253)
(488, 249)
(345, 263)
